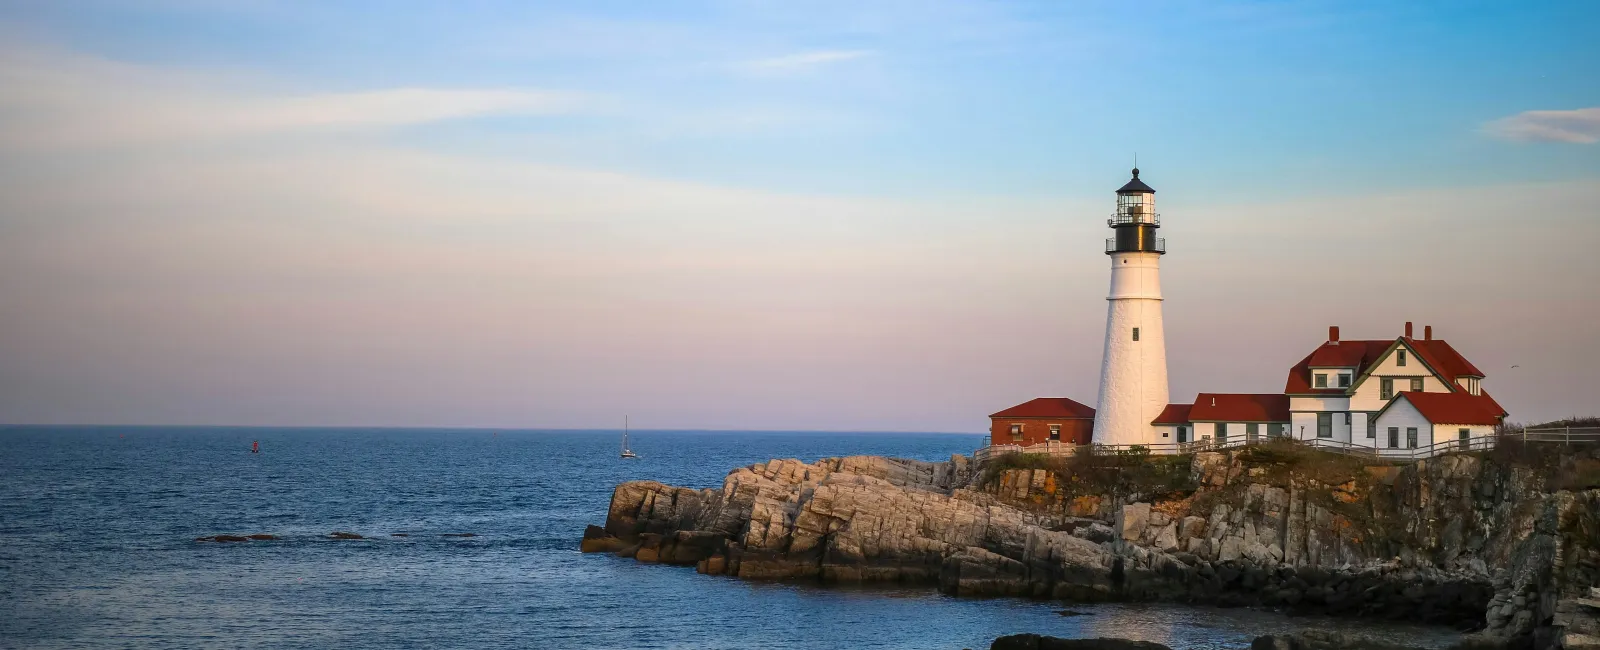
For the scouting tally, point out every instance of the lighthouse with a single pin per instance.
(1133, 372)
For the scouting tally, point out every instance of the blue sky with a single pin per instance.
(513, 204)
(899, 97)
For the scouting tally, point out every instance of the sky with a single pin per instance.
(753, 214)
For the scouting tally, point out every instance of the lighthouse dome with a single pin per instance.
(1136, 186)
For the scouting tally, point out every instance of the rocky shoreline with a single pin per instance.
(1461, 540)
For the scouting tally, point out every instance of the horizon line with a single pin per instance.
(4, 426)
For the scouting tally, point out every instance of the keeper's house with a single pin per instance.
(1388, 394)
(1041, 420)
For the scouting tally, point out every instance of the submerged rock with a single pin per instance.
(459, 535)
(1320, 640)
(223, 538)
(1036, 642)
(338, 534)
(262, 537)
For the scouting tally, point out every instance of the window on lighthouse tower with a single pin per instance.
(1135, 333)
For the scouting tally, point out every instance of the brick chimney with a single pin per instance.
(1427, 332)
(1333, 333)
(1408, 329)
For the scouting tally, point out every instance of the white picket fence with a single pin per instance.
(1552, 436)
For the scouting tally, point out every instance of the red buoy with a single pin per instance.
(255, 446)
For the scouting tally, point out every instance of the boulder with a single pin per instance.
(1132, 520)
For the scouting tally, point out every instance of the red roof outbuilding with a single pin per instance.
(1048, 407)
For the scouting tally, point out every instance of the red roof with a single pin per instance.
(1239, 407)
(1454, 408)
(1174, 414)
(1494, 406)
(1445, 359)
(1047, 407)
(1436, 353)
(1346, 354)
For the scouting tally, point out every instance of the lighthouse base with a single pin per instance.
(1133, 374)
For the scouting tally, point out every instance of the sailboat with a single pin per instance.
(626, 452)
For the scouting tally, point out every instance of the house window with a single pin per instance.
(1222, 432)
(1324, 425)
(1416, 384)
(1183, 434)
(1275, 430)
(1322, 380)
(1016, 432)
(1464, 437)
(1135, 333)
(1347, 418)
(1251, 432)
(1055, 432)
(1400, 358)
(1372, 426)
(1394, 437)
(1344, 380)
(1386, 388)
(1411, 437)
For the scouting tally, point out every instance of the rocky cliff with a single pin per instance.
(1461, 539)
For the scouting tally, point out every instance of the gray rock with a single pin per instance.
(1132, 520)
(1424, 545)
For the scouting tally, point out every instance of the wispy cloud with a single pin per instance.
(68, 99)
(802, 61)
(1578, 126)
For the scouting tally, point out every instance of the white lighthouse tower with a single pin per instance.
(1133, 374)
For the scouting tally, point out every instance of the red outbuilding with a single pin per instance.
(1039, 420)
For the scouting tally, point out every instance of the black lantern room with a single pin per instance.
(1135, 221)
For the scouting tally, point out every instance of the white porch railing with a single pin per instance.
(1553, 436)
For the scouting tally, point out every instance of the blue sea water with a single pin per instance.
(97, 550)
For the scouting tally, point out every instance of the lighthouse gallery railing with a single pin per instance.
(1161, 245)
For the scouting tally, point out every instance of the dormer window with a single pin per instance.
(1344, 380)
(1400, 358)
(1322, 380)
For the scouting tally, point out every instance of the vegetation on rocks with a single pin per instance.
(1123, 474)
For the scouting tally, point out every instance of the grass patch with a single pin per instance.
(1108, 473)
(1565, 467)
(1017, 460)
(1581, 474)
(1283, 460)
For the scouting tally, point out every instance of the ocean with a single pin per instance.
(97, 550)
